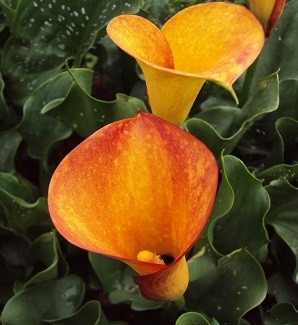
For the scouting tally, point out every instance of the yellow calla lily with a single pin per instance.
(139, 190)
(267, 11)
(211, 41)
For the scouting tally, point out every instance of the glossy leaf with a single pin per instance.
(84, 113)
(109, 271)
(281, 314)
(5, 113)
(9, 8)
(283, 172)
(117, 282)
(45, 34)
(40, 131)
(282, 42)
(50, 300)
(244, 221)
(227, 289)
(208, 126)
(16, 197)
(282, 287)
(192, 318)
(46, 250)
(282, 215)
(127, 291)
(9, 143)
(89, 314)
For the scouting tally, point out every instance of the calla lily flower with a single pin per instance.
(210, 41)
(268, 12)
(139, 190)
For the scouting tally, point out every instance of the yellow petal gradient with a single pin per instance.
(267, 11)
(139, 184)
(211, 41)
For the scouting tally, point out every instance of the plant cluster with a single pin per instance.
(71, 100)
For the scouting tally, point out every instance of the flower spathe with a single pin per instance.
(268, 12)
(137, 190)
(211, 41)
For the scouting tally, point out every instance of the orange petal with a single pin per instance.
(137, 184)
(170, 94)
(141, 39)
(202, 47)
(216, 41)
(166, 285)
(267, 11)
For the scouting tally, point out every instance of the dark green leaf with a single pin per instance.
(42, 131)
(89, 314)
(46, 301)
(209, 129)
(108, 270)
(283, 215)
(282, 314)
(5, 113)
(159, 10)
(117, 280)
(228, 290)
(281, 48)
(244, 221)
(15, 198)
(86, 114)
(46, 250)
(192, 318)
(9, 143)
(282, 287)
(15, 249)
(285, 172)
(9, 8)
(46, 33)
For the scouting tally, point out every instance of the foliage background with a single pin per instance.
(62, 79)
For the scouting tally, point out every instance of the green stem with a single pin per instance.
(248, 81)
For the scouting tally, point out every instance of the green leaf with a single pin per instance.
(287, 129)
(159, 10)
(282, 314)
(208, 125)
(283, 172)
(15, 249)
(6, 114)
(226, 290)
(86, 114)
(192, 318)
(108, 270)
(117, 280)
(9, 143)
(239, 211)
(283, 215)
(281, 48)
(15, 197)
(46, 33)
(46, 301)
(89, 314)
(9, 8)
(6, 283)
(41, 131)
(282, 287)
(46, 250)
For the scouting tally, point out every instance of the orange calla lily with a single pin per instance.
(139, 190)
(267, 11)
(210, 41)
